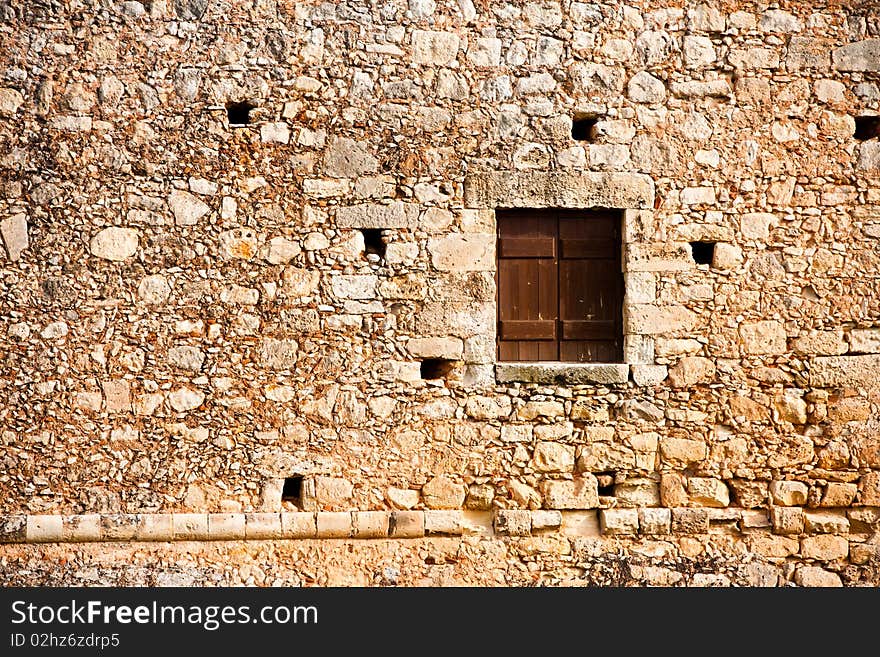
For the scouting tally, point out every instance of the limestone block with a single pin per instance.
(407, 524)
(226, 526)
(864, 341)
(672, 490)
(87, 528)
(654, 521)
(763, 337)
(553, 457)
(581, 493)
(114, 243)
(697, 52)
(299, 525)
(186, 357)
(346, 158)
(513, 522)
(821, 343)
(787, 520)
(185, 399)
(378, 215)
(435, 48)
(535, 409)
(443, 523)
(790, 407)
(548, 520)
(707, 491)
(570, 373)
(690, 521)
(275, 133)
(488, 408)
(10, 101)
(331, 492)
(354, 286)
(484, 51)
(691, 370)
(826, 522)
(682, 451)
(813, 576)
(442, 492)
(190, 526)
(647, 319)
(702, 195)
(605, 457)
(637, 492)
(645, 88)
(776, 20)
(845, 371)
(334, 524)
(869, 489)
(370, 524)
(824, 547)
(463, 253)
(788, 493)
(187, 209)
(277, 354)
(44, 529)
(753, 58)
(756, 225)
(540, 189)
(838, 494)
(155, 527)
(619, 521)
(14, 231)
(859, 56)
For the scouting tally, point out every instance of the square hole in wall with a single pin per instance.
(239, 114)
(583, 127)
(606, 483)
(374, 242)
(703, 252)
(436, 368)
(292, 491)
(867, 127)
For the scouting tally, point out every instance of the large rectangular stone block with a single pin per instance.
(850, 371)
(540, 189)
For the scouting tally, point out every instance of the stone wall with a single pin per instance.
(194, 311)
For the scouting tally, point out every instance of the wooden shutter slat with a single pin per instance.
(586, 329)
(527, 247)
(527, 329)
(588, 248)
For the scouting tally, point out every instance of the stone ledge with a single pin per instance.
(556, 189)
(562, 373)
(364, 525)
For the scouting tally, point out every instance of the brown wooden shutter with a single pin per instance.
(560, 287)
(527, 285)
(590, 287)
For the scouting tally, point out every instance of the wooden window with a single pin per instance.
(560, 286)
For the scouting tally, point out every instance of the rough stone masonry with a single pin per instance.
(248, 295)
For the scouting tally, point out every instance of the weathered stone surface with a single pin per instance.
(187, 209)
(346, 158)
(787, 520)
(655, 521)
(854, 371)
(864, 341)
(859, 56)
(826, 522)
(443, 493)
(553, 457)
(788, 493)
(619, 521)
(185, 399)
(825, 547)
(10, 101)
(706, 491)
(763, 338)
(690, 521)
(14, 232)
(645, 88)
(691, 370)
(462, 253)
(682, 450)
(512, 522)
(566, 190)
(569, 373)
(114, 243)
(378, 215)
(649, 319)
(277, 354)
(435, 48)
(580, 493)
(813, 576)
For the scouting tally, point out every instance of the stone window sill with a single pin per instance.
(562, 373)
